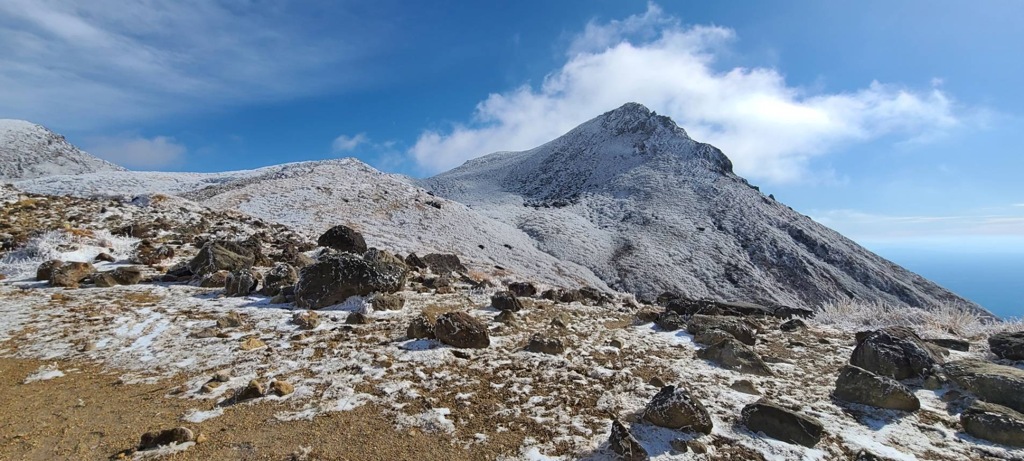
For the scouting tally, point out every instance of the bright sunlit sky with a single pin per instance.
(899, 124)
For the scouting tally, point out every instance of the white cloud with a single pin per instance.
(138, 153)
(769, 129)
(865, 226)
(83, 65)
(345, 143)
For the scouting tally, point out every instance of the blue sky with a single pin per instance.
(897, 123)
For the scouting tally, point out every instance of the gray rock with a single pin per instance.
(793, 325)
(343, 238)
(522, 289)
(388, 302)
(858, 385)
(459, 329)
(214, 279)
(736, 327)
(278, 277)
(241, 283)
(223, 255)
(105, 257)
(45, 270)
(70, 274)
(506, 301)
(103, 280)
(676, 408)
(156, 439)
(734, 355)
(443, 263)
(950, 343)
(415, 262)
(337, 277)
(992, 383)
(231, 320)
(130, 275)
(542, 345)
(745, 386)
(1007, 345)
(506, 317)
(994, 423)
(148, 253)
(782, 424)
(624, 445)
(357, 318)
(895, 352)
(306, 320)
(670, 321)
(420, 328)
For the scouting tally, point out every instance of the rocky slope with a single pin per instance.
(520, 377)
(30, 151)
(633, 198)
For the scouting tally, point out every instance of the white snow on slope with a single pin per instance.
(28, 150)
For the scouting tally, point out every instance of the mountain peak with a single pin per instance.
(29, 150)
(633, 117)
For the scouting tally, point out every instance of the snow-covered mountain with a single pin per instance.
(632, 197)
(30, 151)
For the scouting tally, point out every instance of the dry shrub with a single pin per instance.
(940, 321)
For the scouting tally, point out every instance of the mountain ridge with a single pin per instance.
(29, 150)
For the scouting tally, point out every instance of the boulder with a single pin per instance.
(675, 408)
(992, 383)
(459, 329)
(70, 274)
(858, 385)
(306, 320)
(156, 439)
(217, 279)
(149, 254)
(241, 283)
(792, 325)
(782, 424)
(950, 343)
(506, 301)
(103, 280)
(443, 263)
(734, 355)
(506, 317)
(388, 302)
(420, 328)
(571, 296)
(736, 327)
(624, 445)
(281, 388)
(522, 289)
(222, 255)
(104, 257)
(278, 277)
(130, 275)
(670, 321)
(45, 270)
(1007, 345)
(895, 352)
(994, 423)
(343, 238)
(543, 345)
(414, 261)
(336, 277)
(357, 318)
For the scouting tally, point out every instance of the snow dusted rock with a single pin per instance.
(357, 318)
(130, 275)
(630, 189)
(792, 325)
(951, 343)
(306, 320)
(992, 383)
(731, 354)
(858, 385)
(676, 408)
(29, 151)
(388, 302)
(45, 270)
(443, 263)
(420, 328)
(217, 279)
(459, 329)
(149, 253)
(737, 328)
(70, 274)
(624, 445)
(338, 276)
(506, 301)
(895, 352)
(782, 424)
(278, 277)
(522, 289)
(994, 423)
(156, 439)
(1007, 345)
(222, 255)
(343, 238)
(545, 345)
(241, 283)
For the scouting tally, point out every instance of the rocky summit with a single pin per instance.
(617, 293)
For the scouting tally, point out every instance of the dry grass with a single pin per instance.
(944, 320)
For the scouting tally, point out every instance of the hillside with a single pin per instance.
(30, 151)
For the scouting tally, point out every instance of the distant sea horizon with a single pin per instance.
(994, 280)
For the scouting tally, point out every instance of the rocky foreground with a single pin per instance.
(157, 328)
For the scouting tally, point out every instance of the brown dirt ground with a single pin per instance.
(89, 415)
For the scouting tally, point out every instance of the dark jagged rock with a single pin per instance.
(357, 318)
(336, 277)
(415, 262)
(420, 328)
(156, 439)
(624, 445)
(793, 325)
(950, 343)
(343, 238)
(506, 301)
(70, 274)
(670, 321)
(994, 423)
(522, 289)
(895, 352)
(306, 320)
(278, 277)
(782, 424)
(241, 283)
(858, 385)
(459, 329)
(676, 408)
(221, 255)
(388, 302)
(443, 263)
(1007, 345)
(45, 270)
(543, 345)
(734, 355)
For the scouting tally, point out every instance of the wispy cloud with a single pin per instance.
(346, 143)
(85, 64)
(770, 129)
(139, 153)
(989, 222)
